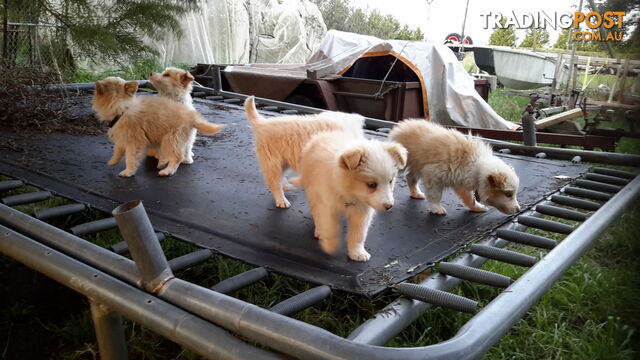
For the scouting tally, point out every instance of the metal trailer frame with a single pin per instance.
(146, 291)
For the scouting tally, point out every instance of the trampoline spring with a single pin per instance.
(597, 186)
(7, 185)
(541, 155)
(526, 239)
(476, 275)
(58, 211)
(544, 224)
(289, 112)
(239, 281)
(93, 226)
(214, 97)
(437, 297)
(189, 260)
(122, 247)
(232, 101)
(576, 203)
(560, 212)
(616, 173)
(504, 151)
(269, 108)
(199, 94)
(506, 256)
(295, 304)
(27, 198)
(613, 180)
(589, 194)
(576, 159)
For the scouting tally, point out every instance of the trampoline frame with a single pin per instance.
(205, 320)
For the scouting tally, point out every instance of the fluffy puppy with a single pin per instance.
(445, 158)
(148, 122)
(280, 140)
(343, 176)
(176, 84)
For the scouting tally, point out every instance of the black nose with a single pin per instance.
(388, 206)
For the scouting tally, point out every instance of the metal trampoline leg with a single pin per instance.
(109, 332)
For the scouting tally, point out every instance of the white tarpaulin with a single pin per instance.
(450, 91)
(243, 31)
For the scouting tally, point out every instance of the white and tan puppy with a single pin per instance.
(176, 84)
(138, 124)
(445, 158)
(280, 140)
(343, 176)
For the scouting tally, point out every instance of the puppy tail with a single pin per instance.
(252, 112)
(206, 127)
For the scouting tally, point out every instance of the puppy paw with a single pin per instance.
(417, 195)
(477, 207)
(166, 172)
(126, 173)
(438, 210)
(283, 204)
(188, 160)
(161, 165)
(330, 246)
(359, 255)
(112, 162)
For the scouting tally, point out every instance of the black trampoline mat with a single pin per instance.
(220, 202)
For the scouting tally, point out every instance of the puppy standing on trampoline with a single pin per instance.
(345, 176)
(280, 140)
(443, 158)
(138, 124)
(176, 84)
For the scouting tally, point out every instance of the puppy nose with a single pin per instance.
(517, 208)
(388, 206)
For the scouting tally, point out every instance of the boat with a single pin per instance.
(517, 69)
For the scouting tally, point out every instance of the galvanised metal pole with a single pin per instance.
(109, 332)
(144, 248)
(147, 310)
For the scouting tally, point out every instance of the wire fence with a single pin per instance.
(30, 39)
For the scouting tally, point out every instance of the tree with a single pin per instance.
(535, 38)
(106, 30)
(632, 22)
(565, 38)
(503, 36)
(341, 15)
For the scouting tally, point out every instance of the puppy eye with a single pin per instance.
(390, 181)
(509, 195)
(165, 75)
(372, 185)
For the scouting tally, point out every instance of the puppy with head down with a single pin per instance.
(445, 158)
(280, 140)
(347, 177)
(137, 124)
(176, 84)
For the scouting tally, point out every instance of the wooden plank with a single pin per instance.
(558, 118)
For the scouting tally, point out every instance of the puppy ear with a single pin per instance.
(398, 153)
(352, 158)
(99, 88)
(130, 87)
(497, 180)
(186, 78)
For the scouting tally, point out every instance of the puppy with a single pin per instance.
(176, 84)
(446, 158)
(141, 123)
(280, 140)
(344, 176)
